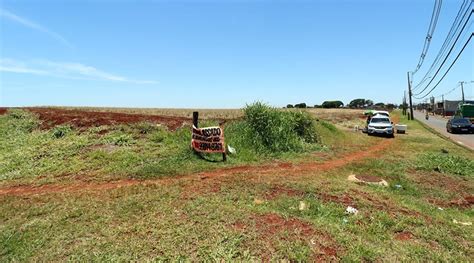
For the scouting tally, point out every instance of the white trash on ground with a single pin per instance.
(231, 149)
(303, 206)
(462, 223)
(352, 210)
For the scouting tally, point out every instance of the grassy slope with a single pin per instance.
(218, 218)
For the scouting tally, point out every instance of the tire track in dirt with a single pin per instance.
(338, 162)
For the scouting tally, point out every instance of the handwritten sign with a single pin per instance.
(210, 139)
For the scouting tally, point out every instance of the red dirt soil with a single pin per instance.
(57, 188)
(51, 117)
(262, 169)
(404, 236)
(3, 110)
(465, 202)
(270, 227)
(279, 190)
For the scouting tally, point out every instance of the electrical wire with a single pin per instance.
(429, 34)
(452, 64)
(449, 92)
(455, 88)
(449, 37)
(447, 55)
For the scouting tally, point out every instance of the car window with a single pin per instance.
(380, 120)
(461, 121)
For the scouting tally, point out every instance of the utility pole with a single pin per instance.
(410, 94)
(442, 99)
(462, 90)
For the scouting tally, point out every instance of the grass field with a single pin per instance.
(136, 192)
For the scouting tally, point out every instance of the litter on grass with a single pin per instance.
(231, 149)
(462, 223)
(303, 206)
(352, 210)
(367, 179)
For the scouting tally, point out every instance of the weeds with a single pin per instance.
(271, 130)
(19, 121)
(445, 163)
(61, 131)
(119, 139)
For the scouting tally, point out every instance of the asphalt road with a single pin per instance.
(439, 124)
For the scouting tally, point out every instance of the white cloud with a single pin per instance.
(64, 70)
(10, 16)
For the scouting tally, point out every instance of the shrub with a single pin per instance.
(268, 129)
(445, 163)
(61, 130)
(304, 126)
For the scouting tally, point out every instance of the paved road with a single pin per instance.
(439, 124)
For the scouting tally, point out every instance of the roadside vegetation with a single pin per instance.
(283, 198)
(145, 150)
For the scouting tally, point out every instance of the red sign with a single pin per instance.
(210, 139)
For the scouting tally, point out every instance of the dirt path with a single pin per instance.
(337, 162)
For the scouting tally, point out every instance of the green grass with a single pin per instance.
(217, 219)
(141, 150)
(446, 163)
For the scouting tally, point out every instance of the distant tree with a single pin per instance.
(380, 105)
(317, 106)
(390, 106)
(360, 103)
(300, 105)
(289, 106)
(368, 103)
(332, 104)
(357, 103)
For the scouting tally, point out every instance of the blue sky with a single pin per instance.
(217, 54)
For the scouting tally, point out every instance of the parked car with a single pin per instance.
(380, 124)
(459, 125)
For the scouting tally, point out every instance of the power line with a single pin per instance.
(429, 34)
(449, 37)
(455, 88)
(447, 55)
(452, 64)
(449, 92)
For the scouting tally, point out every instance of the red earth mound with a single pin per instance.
(51, 117)
(3, 110)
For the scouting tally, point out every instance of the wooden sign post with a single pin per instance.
(209, 139)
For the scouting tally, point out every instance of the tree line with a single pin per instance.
(354, 104)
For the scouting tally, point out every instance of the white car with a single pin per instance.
(380, 124)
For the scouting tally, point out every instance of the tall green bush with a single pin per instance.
(271, 130)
